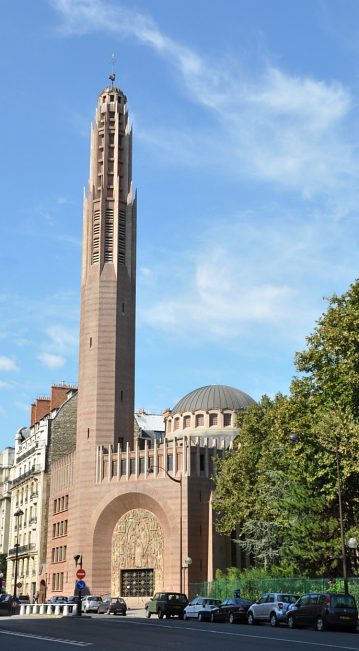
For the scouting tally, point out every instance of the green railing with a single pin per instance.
(252, 588)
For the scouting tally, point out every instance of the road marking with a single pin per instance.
(45, 638)
(258, 637)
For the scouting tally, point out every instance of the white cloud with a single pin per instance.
(240, 279)
(7, 364)
(62, 338)
(5, 385)
(52, 361)
(274, 126)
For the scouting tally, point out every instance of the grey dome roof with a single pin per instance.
(215, 396)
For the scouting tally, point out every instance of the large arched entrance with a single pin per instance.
(137, 555)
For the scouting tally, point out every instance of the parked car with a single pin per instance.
(9, 605)
(113, 605)
(324, 609)
(90, 603)
(74, 599)
(200, 608)
(24, 598)
(234, 610)
(166, 604)
(57, 600)
(271, 607)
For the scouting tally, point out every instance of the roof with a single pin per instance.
(215, 396)
(150, 422)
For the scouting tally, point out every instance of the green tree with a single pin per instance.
(283, 498)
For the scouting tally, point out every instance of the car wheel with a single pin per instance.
(250, 618)
(273, 619)
(200, 617)
(291, 621)
(231, 618)
(320, 624)
(160, 614)
(148, 614)
(212, 618)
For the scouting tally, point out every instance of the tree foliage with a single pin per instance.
(283, 499)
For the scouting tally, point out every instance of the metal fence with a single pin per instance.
(252, 588)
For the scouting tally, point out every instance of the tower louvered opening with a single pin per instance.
(122, 236)
(96, 237)
(109, 235)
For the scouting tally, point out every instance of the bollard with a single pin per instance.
(74, 610)
(35, 609)
(65, 611)
(42, 609)
(28, 609)
(49, 609)
(57, 609)
(22, 609)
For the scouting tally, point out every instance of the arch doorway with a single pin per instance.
(137, 555)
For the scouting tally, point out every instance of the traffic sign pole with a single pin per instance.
(80, 584)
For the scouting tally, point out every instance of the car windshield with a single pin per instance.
(213, 602)
(343, 601)
(288, 598)
(5, 597)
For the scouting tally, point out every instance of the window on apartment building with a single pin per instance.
(186, 421)
(176, 423)
(57, 581)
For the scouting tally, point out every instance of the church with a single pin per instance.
(133, 509)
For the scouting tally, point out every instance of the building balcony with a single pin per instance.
(23, 549)
(33, 471)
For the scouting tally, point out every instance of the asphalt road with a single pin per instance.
(135, 633)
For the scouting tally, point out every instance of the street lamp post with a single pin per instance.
(17, 515)
(177, 481)
(185, 565)
(294, 439)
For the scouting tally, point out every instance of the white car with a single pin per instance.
(200, 608)
(90, 603)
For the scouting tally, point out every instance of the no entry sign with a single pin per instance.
(80, 574)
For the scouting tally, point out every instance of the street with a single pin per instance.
(135, 633)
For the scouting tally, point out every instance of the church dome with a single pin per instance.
(208, 412)
(214, 396)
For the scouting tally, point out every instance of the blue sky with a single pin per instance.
(246, 160)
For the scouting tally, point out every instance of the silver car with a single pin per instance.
(90, 603)
(271, 607)
(200, 608)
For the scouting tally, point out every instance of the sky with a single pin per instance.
(246, 161)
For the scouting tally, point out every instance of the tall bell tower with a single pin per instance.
(108, 290)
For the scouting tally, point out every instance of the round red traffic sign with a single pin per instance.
(80, 573)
